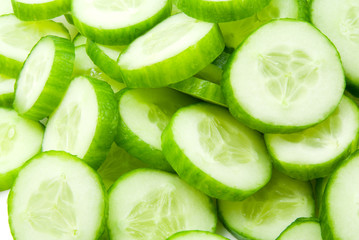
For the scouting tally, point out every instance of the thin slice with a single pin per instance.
(7, 88)
(302, 228)
(196, 235)
(216, 154)
(150, 204)
(180, 43)
(278, 72)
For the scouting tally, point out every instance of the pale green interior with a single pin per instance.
(6, 84)
(309, 230)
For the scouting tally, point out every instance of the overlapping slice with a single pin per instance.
(287, 76)
(302, 228)
(173, 51)
(216, 154)
(196, 235)
(7, 88)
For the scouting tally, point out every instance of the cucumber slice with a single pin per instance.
(316, 151)
(339, 21)
(150, 204)
(180, 43)
(144, 113)
(302, 228)
(84, 124)
(320, 185)
(213, 152)
(44, 78)
(219, 10)
(117, 163)
(34, 10)
(211, 73)
(50, 200)
(339, 214)
(105, 57)
(5, 7)
(17, 39)
(20, 139)
(196, 235)
(118, 22)
(236, 32)
(71, 28)
(79, 40)
(7, 88)
(280, 70)
(264, 215)
(202, 89)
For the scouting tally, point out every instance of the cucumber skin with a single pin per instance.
(135, 146)
(220, 11)
(181, 235)
(40, 11)
(10, 67)
(120, 36)
(104, 62)
(298, 221)
(102, 228)
(175, 69)
(7, 99)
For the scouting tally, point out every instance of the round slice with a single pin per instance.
(20, 139)
(264, 215)
(339, 21)
(44, 78)
(173, 51)
(219, 10)
(213, 152)
(287, 76)
(7, 88)
(57, 196)
(17, 38)
(339, 213)
(196, 235)
(302, 228)
(118, 22)
(84, 124)
(316, 151)
(150, 204)
(144, 113)
(34, 10)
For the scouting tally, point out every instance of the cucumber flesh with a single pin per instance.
(7, 88)
(196, 235)
(302, 228)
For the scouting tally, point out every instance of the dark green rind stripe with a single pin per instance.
(7, 99)
(297, 222)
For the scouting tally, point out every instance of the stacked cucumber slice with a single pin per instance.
(161, 120)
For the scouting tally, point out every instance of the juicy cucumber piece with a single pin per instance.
(180, 43)
(45, 77)
(34, 10)
(234, 33)
(220, 11)
(278, 72)
(5, 7)
(17, 38)
(338, 20)
(339, 213)
(84, 124)
(302, 228)
(118, 22)
(20, 139)
(216, 154)
(57, 196)
(144, 114)
(265, 214)
(150, 204)
(196, 235)
(316, 151)
(7, 88)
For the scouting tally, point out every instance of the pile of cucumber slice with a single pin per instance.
(166, 119)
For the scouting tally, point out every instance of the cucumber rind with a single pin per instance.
(297, 222)
(195, 233)
(56, 83)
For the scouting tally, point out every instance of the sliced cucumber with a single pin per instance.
(17, 39)
(339, 21)
(220, 10)
(202, 89)
(235, 32)
(7, 88)
(34, 10)
(144, 113)
(84, 124)
(196, 235)
(213, 152)
(302, 228)
(20, 139)
(339, 214)
(118, 22)
(5, 7)
(71, 28)
(44, 78)
(320, 185)
(280, 70)
(180, 43)
(153, 205)
(264, 215)
(50, 200)
(211, 73)
(316, 151)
